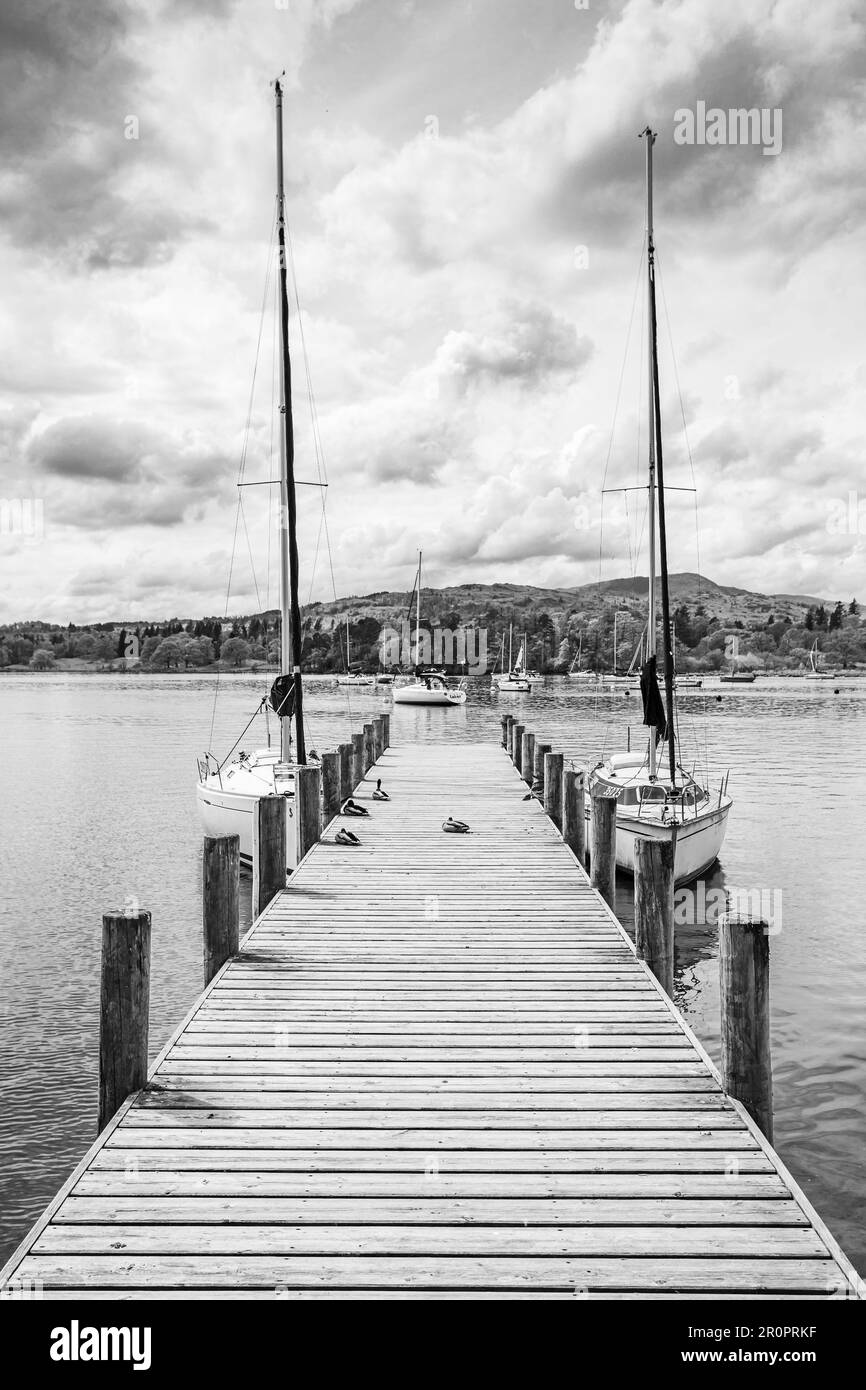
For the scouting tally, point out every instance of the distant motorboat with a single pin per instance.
(430, 689)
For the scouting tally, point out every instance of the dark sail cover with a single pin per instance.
(653, 707)
(282, 696)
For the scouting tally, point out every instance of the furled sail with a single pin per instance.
(653, 707)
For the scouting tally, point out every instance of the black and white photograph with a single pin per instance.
(433, 671)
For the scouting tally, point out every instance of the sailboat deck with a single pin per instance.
(435, 1069)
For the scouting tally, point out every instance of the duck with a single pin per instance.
(351, 808)
(455, 827)
(346, 837)
(378, 794)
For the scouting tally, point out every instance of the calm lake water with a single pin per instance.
(99, 808)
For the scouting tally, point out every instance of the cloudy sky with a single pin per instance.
(465, 189)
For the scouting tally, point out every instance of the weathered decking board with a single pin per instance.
(436, 1069)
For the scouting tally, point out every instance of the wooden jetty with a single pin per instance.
(436, 1068)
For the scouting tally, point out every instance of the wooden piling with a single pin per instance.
(527, 758)
(269, 850)
(358, 768)
(603, 852)
(377, 737)
(552, 787)
(517, 745)
(368, 746)
(538, 769)
(308, 808)
(509, 735)
(330, 786)
(124, 1009)
(346, 783)
(573, 821)
(744, 980)
(503, 725)
(220, 901)
(386, 731)
(654, 907)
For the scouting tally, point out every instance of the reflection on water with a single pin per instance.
(99, 807)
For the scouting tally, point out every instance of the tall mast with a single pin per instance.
(659, 460)
(290, 612)
(651, 614)
(511, 646)
(418, 616)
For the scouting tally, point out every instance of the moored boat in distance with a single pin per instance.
(515, 679)
(351, 677)
(428, 686)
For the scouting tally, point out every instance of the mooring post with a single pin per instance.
(517, 745)
(269, 850)
(527, 758)
(368, 746)
(386, 731)
(654, 907)
(552, 780)
(358, 768)
(573, 823)
(503, 725)
(220, 901)
(744, 980)
(308, 808)
(603, 852)
(509, 736)
(330, 786)
(377, 738)
(541, 749)
(346, 783)
(124, 1008)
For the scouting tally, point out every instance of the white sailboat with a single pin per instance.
(654, 802)
(815, 673)
(428, 686)
(735, 676)
(228, 791)
(514, 679)
(351, 677)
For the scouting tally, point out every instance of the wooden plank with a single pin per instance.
(422, 1209)
(273, 1272)
(464, 1239)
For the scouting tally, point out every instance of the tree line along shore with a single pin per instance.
(774, 642)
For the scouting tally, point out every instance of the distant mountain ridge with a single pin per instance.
(727, 602)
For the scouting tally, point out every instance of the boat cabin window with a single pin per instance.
(653, 794)
(629, 796)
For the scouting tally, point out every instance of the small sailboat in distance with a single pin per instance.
(735, 676)
(429, 686)
(653, 801)
(513, 680)
(351, 677)
(815, 673)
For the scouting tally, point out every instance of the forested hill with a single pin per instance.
(774, 631)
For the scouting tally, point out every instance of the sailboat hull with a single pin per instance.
(420, 695)
(228, 810)
(699, 841)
